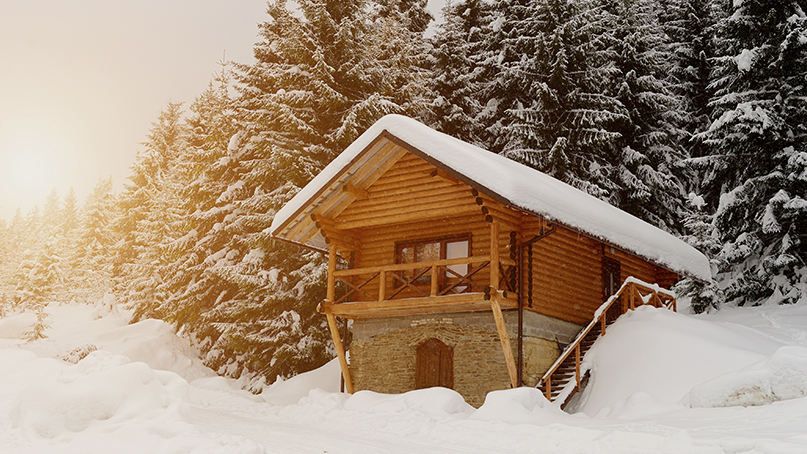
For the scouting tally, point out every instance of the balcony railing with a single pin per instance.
(424, 279)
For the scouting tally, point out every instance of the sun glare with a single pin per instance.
(29, 171)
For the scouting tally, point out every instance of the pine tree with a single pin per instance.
(90, 263)
(649, 151)
(192, 284)
(565, 122)
(39, 278)
(461, 71)
(69, 213)
(149, 219)
(324, 74)
(758, 151)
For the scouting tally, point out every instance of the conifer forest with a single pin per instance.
(689, 114)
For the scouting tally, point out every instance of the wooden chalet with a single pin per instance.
(461, 268)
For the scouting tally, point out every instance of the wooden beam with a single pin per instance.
(331, 292)
(505, 339)
(340, 351)
(494, 255)
(337, 338)
(429, 213)
(442, 174)
(411, 266)
(358, 193)
(463, 302)
(342, 240)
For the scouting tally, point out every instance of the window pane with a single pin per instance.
(428, 252)
(408, 255)
(455, 250)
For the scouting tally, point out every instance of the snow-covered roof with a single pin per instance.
(500, 178)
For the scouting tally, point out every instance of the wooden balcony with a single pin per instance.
(425, 288)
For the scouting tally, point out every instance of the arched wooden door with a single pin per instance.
(435, 364)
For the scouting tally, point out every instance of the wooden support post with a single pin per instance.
(602, 324)
(632, 293)
(382, 285)
(548, 388)
(340, 351)
(435, 288)
(337, 339)
(331, 293)
(505, 339)
(577, 365)
(494, 255)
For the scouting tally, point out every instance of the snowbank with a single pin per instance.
(665, 355)
(287, 392)
(783, 376)
(109, 402)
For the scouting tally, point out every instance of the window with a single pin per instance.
(431, 250)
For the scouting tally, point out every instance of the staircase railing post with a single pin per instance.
(577, 365)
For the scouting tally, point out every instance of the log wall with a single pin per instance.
(567, 266)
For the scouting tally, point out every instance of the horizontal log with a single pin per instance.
(435, 203)
(374, 206)
(464, 302)
(411, 266)
(412, 191)
(405, 217)
(342, 240)
(470, 223)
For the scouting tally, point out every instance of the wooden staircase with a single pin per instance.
(570, 372)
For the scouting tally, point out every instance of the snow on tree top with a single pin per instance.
(507, 181)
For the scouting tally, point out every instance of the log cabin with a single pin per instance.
(458, 267)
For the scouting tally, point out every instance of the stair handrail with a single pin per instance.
(599, 317)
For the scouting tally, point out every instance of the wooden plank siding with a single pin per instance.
(567, 266)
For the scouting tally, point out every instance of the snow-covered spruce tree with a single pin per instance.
(39, 277)
(324, 73)
(758, 159)
(688, 25)
(461, 71)
(148, 216)
(191, 283)
(564, 121)
(7, 261)
(650, 147)
(90, 263)
(10, 256)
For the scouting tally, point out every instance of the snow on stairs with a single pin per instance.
(570, 371)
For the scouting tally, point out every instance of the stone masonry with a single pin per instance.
(383, 351)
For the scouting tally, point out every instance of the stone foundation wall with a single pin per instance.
(383, 351)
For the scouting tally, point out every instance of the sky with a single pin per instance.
(82, 81)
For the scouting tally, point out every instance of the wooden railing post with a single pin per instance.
(494, 255)
(632, 293)
(435, 288)
(577, 365)
(548, 388)
(382, 285)
(331, 293)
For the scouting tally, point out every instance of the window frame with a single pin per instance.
(443, 242)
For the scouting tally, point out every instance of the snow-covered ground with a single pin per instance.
(662, 383)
